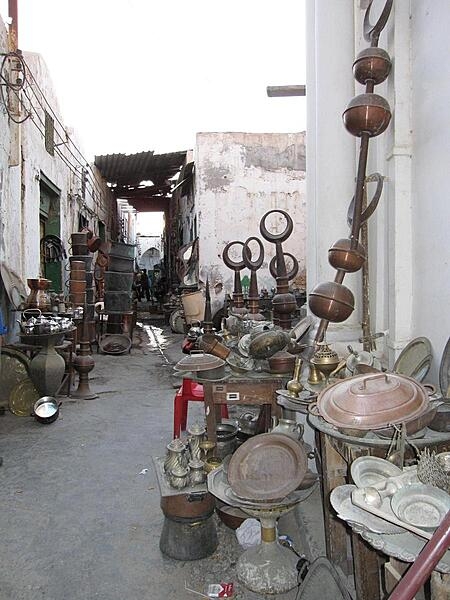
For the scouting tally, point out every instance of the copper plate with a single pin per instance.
(267, 467)
(22, 398)
(415, 359)
(13, 369)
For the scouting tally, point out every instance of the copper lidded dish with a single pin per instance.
(367, 402)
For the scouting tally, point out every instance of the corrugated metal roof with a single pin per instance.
(126, 172)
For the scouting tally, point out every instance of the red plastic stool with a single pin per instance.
(188, 392)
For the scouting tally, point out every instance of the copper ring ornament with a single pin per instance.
(247, 255)
(231, 264)
(276, 237)
(274, 270)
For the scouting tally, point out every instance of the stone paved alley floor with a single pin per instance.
(80, 521)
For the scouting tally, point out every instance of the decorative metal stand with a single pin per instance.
(238, 306)
(367, 115)
(253, 265)
(284, 303)
(84, 363)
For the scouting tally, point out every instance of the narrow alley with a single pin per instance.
(81, 514)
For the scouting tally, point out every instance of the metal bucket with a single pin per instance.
(193, 306)
(117, 302)
(226, 437)
(118, 282)
(123, 250)
(120, 263)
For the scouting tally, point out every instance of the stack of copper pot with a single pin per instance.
(81, 288)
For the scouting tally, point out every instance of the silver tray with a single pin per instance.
(359, 519)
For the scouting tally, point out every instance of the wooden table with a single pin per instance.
(346, 549)
(246, 390)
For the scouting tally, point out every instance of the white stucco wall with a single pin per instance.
(238, 178)
(409, 256)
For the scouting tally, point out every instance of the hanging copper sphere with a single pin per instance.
(372, 64)
(345, 258)
(331, 301)
(367, 113)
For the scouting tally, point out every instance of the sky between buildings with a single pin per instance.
(135, 75)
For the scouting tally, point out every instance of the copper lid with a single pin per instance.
(199, 362)
(372, 401)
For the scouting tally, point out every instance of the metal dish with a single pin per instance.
(444, 371)
(367, 470)
(13, 369)
(22, 398)
(444, 459)
(115, 343)
(415, 359)
(423, 506)
(267, 467)
(46, 410)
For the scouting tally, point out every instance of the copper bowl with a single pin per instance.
(372, 64)
(331, 301)
(367, 402)
(342, 256)
(367, 113)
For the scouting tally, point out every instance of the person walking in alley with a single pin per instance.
(145, 285)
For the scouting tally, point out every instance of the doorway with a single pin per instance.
(50, 224)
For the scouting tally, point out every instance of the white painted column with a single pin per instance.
(331, 150)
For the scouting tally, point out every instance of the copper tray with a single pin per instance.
(267, 467)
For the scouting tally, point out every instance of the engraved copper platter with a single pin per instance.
(267, 467)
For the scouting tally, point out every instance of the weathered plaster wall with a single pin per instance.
(25, 162)
(148, 259)
(238, 178)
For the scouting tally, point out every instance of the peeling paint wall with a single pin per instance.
(238, 178)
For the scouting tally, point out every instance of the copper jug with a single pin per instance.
(38, 297)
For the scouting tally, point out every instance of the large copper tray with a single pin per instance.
(267, 467)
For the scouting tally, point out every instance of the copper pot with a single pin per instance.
(281, 362)
(267, 343)
(38, 296)
(331, 301)
(77, 265)
(188, 506)
(367, 402)
(211, 345)
(80, 249)
(79, 237)
(342, 256)
(77, 287)
(372, 64)
(367, 113)
(78, 299)
(94, 243)
(78, 275)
